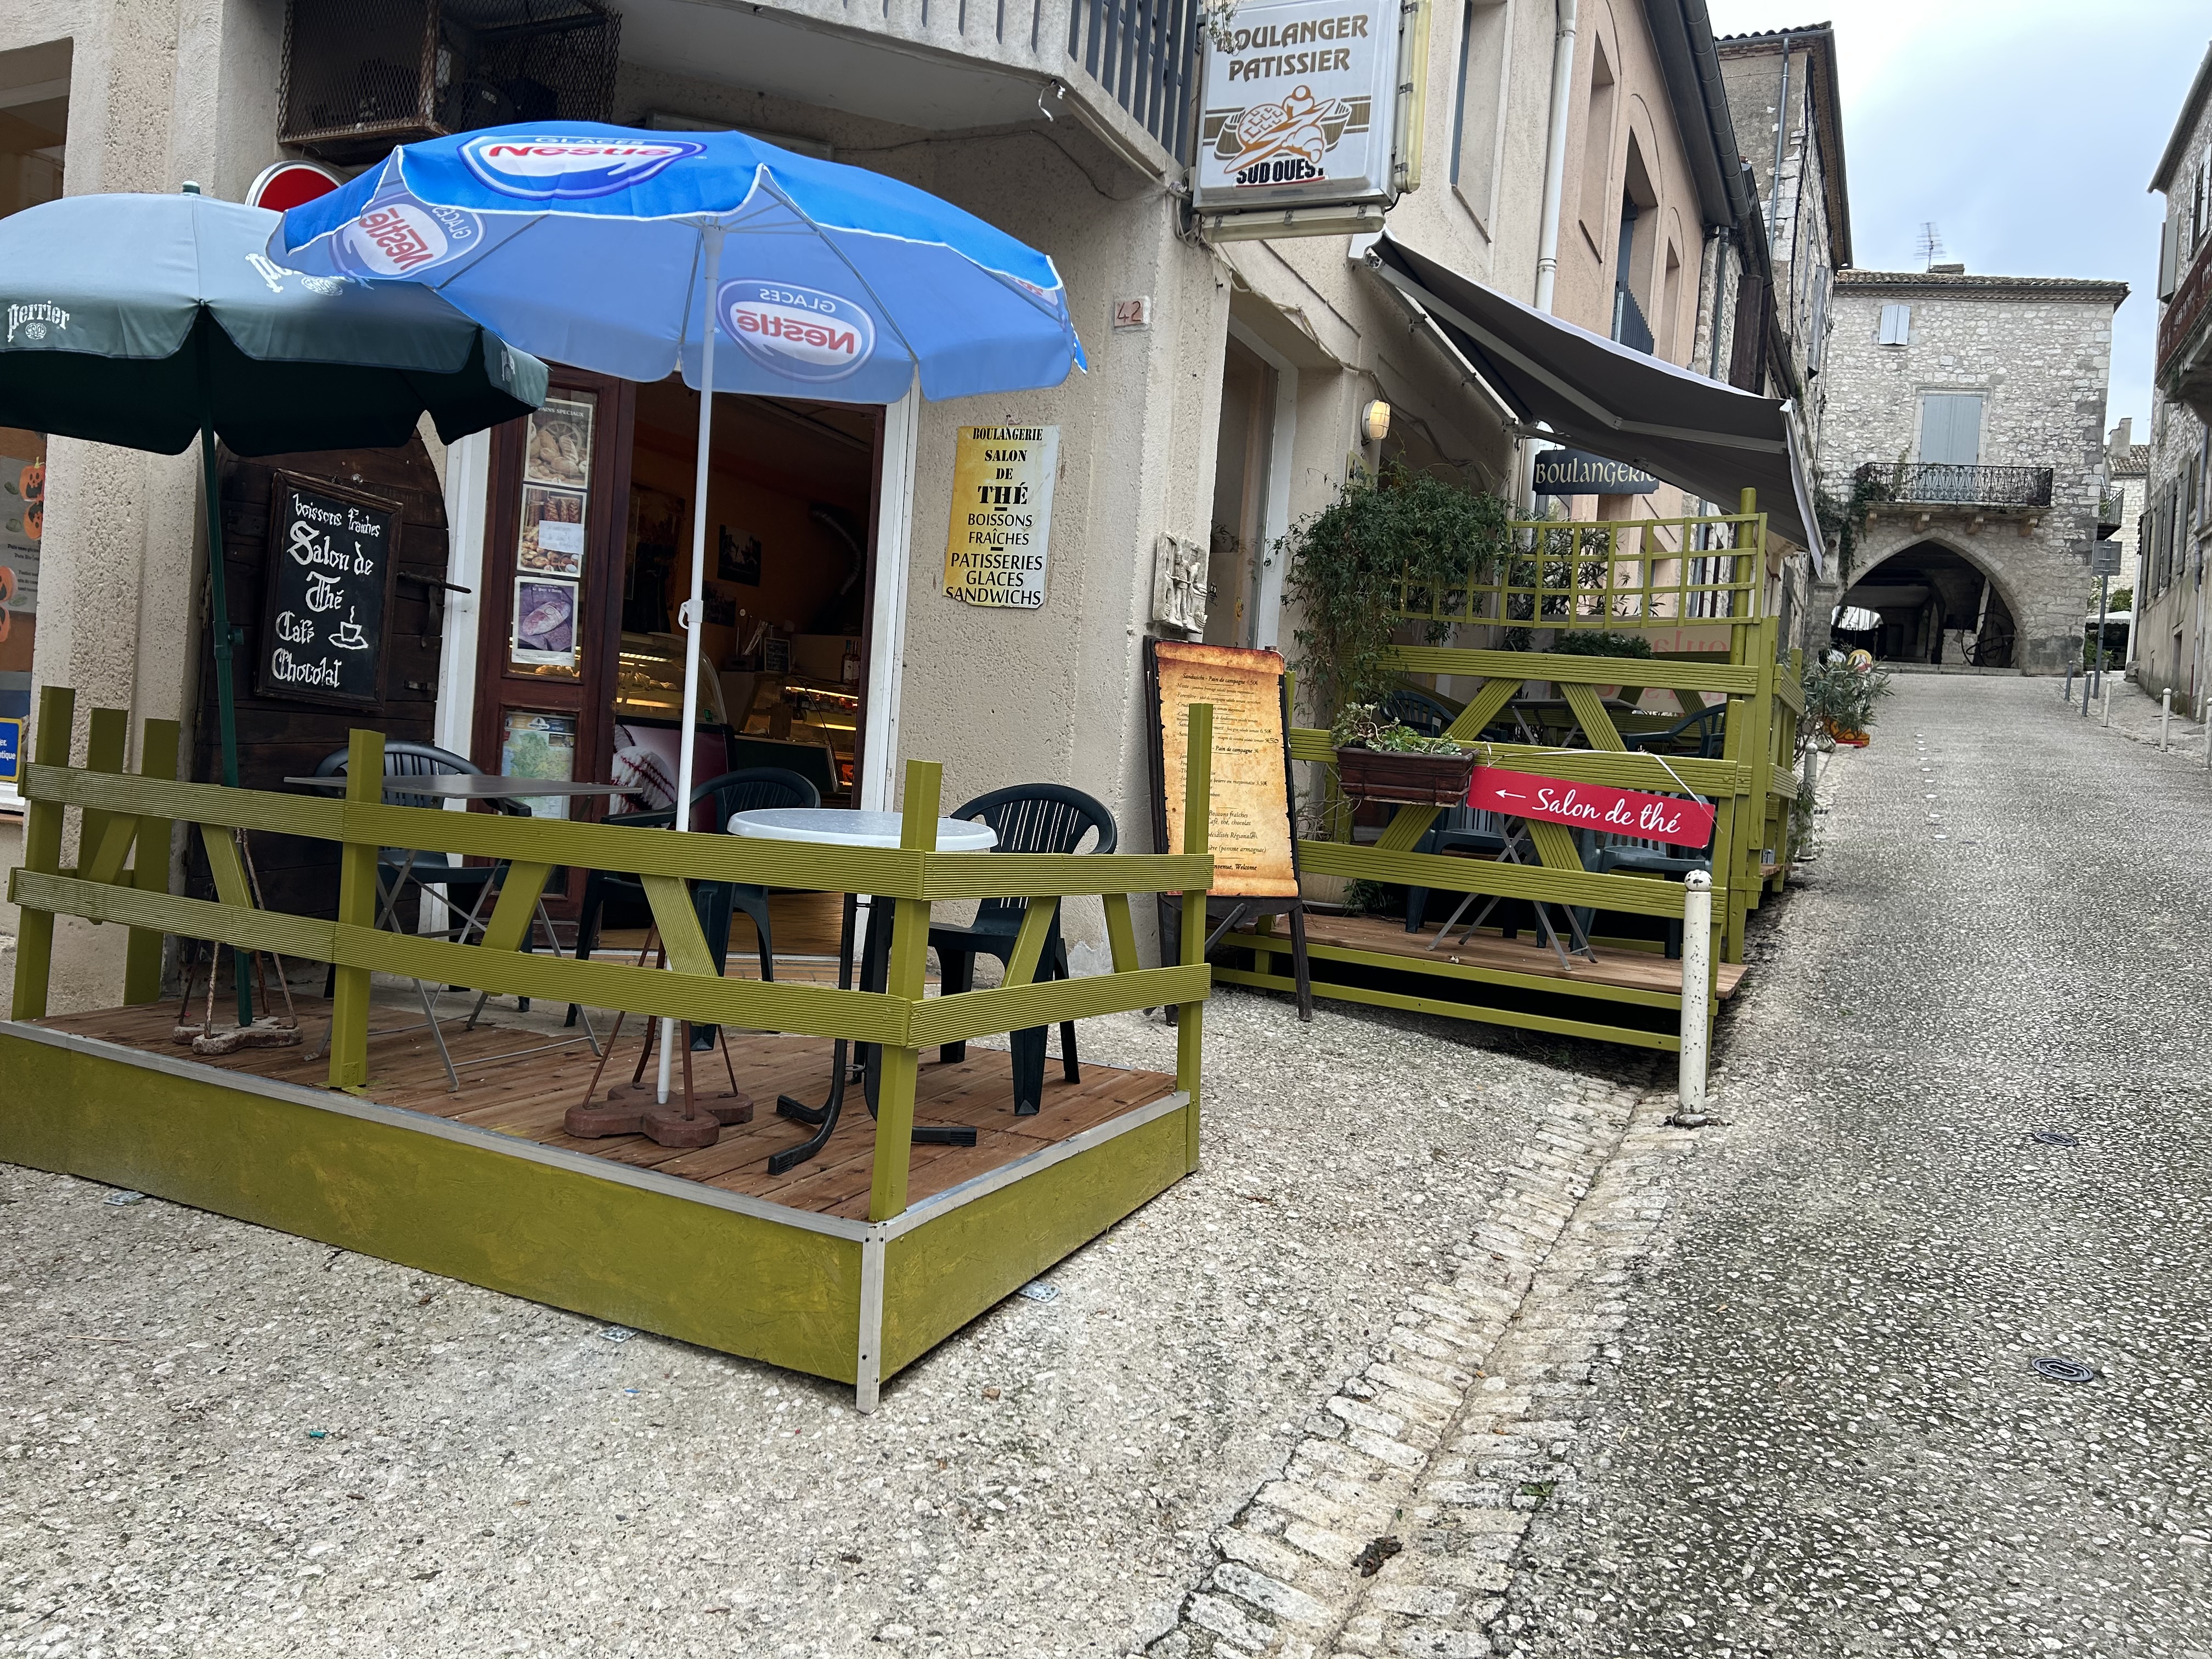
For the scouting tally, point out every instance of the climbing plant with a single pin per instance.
(1352, 563)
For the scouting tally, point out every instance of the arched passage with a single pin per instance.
(1935, 604)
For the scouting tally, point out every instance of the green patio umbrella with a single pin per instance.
(146, 321)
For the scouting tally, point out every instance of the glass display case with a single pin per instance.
(799, 708)
(649, 681)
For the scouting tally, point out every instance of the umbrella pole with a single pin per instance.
(687, 740)
(226, 707)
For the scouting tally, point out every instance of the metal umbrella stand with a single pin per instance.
(149, 322)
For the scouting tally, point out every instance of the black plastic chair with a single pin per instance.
(1029, 818)
(1410, 706)
(752, 789)
(1699, 735)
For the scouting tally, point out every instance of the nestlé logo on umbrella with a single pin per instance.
(399, 235)
(554, 167)
(801, 332)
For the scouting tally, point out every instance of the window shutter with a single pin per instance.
(2169, 236)
(1896, 326)
(1748, 351)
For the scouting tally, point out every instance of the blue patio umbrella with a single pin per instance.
(636, 253)
(609, 248)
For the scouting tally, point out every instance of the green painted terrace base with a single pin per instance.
(853, 1301)
(1415, 984)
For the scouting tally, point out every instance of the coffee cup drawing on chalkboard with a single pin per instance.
(348, 636)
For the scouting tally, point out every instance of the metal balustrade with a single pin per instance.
(1144, 54)
(1942, 483)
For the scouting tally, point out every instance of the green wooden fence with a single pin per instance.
(1639, 575)
(122, 811)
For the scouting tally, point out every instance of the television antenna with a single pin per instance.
(1931, 245)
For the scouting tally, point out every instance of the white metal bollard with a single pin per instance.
(1697, 988)
(1812, 772)
(2165, 719)
(2108, 700)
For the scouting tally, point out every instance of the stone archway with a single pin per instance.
(2042, 579)
(1937, 605)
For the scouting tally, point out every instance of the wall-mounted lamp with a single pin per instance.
(1374, 420)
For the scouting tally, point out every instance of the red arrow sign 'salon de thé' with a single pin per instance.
(1592, 806)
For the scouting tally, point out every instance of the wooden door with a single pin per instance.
(550, 614)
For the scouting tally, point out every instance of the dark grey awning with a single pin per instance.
(1706, 437)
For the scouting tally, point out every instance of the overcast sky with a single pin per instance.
(2027, 130)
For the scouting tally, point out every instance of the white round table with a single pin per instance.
(833, 826)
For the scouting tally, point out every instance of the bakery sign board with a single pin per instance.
(1299, 105)
(994, 549)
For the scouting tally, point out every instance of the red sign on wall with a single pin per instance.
(1592, 806)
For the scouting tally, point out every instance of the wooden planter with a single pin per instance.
(1415, 780)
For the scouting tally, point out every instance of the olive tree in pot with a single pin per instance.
(1384, 545)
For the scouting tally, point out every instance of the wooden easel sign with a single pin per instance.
(1249, 833)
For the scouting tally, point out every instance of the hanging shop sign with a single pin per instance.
(1669, 818)
(329, 592)
(1578, 472)
(995, 551)
(1300, 109)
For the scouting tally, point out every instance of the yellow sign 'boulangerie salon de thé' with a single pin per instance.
(994, 552)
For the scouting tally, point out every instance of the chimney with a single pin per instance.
(2123, 439)
(1954, 269)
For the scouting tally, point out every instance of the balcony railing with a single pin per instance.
(1144, 53)
(1629, 327)
(1939, 482)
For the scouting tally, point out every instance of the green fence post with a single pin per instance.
(909, 958)
(1197, 823)
(158, 745)
(356, 909)
(42, 854)
(107, 737)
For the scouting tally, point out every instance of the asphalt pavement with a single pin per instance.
(1918, 1363)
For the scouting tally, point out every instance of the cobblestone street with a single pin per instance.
(1533, 1373)
(1824, 1433)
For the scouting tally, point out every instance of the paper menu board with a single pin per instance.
(1249, 827)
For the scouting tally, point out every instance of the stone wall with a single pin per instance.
(2038, 351)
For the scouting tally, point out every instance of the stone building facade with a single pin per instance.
(1227, 377)
(1978, 405)
(2176, 535)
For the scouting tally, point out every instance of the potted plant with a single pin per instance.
(1381, 759)
(1840, 694)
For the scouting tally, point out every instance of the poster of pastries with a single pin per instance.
(552, 538)
(557, 448)
(1248, 828)
(544, 625)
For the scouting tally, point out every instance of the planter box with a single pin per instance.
(1412, 779)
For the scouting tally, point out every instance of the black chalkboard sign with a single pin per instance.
(331, 554)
